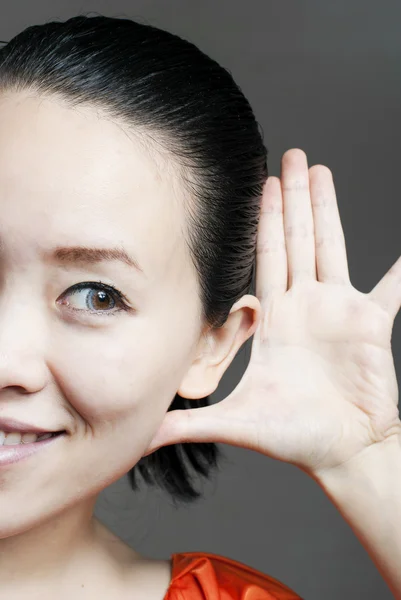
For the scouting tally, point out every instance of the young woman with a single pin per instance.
(134, 201)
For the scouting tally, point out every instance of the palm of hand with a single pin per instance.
(320, 384)
(320, 387)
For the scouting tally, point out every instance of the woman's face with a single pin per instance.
(103, 369)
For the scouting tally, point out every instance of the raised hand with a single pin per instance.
(320, 386)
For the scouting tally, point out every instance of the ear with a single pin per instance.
(218, 346)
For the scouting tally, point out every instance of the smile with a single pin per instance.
(18, 449)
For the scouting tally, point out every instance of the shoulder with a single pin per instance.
(203, 575)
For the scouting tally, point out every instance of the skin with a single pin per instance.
(72, 177)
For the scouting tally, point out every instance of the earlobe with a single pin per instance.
(201, 380)
(219, 347)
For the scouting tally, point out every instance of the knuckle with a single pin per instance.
(295, 184)
(329, 240)
(300, 230)
(269, 246)
(320, 198)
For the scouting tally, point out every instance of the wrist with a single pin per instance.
(378, 463)
(367, 492)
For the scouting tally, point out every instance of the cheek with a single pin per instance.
(120, 379)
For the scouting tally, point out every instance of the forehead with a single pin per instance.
(72, 172)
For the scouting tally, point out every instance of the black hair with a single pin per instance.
(190, 106)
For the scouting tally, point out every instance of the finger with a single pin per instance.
(330, 249)
(387, 293)
(298, 217)
(271, 255)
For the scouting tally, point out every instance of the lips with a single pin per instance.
(18, 453)
(16, 438)
(10, 425)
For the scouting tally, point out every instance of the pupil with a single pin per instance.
(101, 296)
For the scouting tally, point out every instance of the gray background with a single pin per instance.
(325, 77)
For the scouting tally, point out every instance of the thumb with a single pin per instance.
(205, 424)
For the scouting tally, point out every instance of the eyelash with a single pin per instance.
(115, 293)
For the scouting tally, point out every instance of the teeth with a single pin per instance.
(14, 438)
(44, 436)
(11, 439)
(29, 437)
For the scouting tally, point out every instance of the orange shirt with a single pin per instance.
(207, 576)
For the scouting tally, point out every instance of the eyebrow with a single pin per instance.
(74, 254)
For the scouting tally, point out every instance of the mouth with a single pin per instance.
(16, 438)
(12, 453)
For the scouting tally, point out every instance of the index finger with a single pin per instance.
(271, 254)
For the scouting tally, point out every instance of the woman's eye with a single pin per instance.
(94, 297)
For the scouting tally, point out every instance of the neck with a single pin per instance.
(64, 549)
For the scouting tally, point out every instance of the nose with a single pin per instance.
(22, 348)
